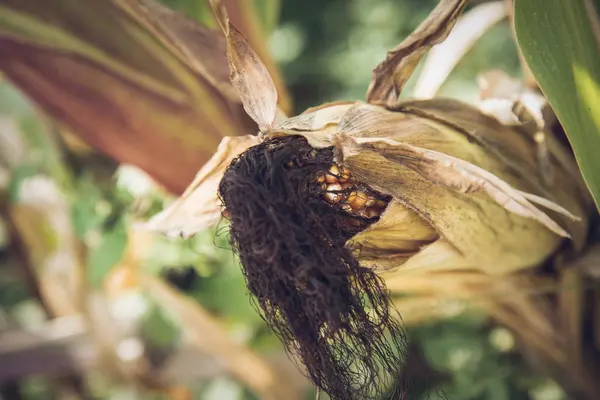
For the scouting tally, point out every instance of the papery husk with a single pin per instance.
(471, 228)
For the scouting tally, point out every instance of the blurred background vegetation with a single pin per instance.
(326, 50)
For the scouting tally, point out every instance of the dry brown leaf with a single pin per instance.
(390, 76)
(443, 57)
(244, 16)
(248, 74)
(199, 206)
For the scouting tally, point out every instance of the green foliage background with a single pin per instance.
(326, 49)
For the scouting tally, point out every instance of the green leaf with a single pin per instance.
(107, 253)
(267, 12)
(19, 175)
(83, 212)
(560, 46)
(226, 294)
(198, 10)
(158, 329)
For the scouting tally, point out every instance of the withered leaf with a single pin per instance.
(244, 15)
(199, 206)
(110, 72)
(390, 76)
(202, 48)
(444, 57)
(248, 73)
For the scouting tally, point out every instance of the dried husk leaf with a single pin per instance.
(480, 200)
(395, 239)
(390, 76)
(444, 57)
(244, 15)
(252, 80)
(247, 73)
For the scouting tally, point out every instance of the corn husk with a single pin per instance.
(466, 188)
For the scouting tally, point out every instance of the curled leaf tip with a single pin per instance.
(220, 13)
(247, 73)
(390, 76)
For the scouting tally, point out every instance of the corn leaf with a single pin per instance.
(561, 44)
(135, 80)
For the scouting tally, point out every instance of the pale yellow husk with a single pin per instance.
(464, 187)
